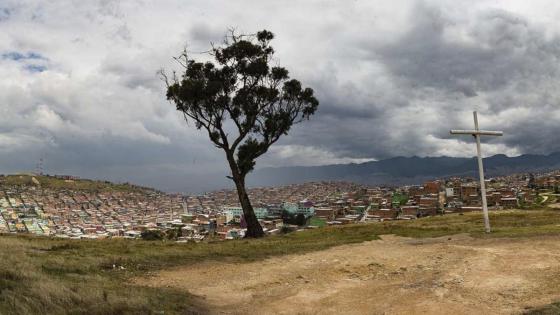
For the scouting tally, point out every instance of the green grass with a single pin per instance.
(551, 309)
(43, 275)
(505, 223)
(78, 184)
(317, 222)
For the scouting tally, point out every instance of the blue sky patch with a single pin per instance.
(4, 14)
(35, 68)
(15, 55)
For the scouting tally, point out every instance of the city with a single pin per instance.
(78, 214)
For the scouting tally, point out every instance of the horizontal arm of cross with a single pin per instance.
(477, 132)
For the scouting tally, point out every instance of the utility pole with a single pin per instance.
(476, 133)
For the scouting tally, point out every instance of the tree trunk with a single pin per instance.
(254, 228)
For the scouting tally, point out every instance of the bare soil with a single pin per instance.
(394, 275)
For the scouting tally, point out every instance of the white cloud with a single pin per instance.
(392, 77)
(286, 155)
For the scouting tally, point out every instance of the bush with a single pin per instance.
(173, 234)
(152, 235)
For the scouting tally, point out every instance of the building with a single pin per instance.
(509, 203)
(409, 211)
(432, 187)
(468, 191)
(383, 213)
(325, 213)
(303, 207)
(237, 212)
(449, 192)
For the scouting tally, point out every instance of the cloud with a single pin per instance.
(286, 155)
(430, 77)
(31, 61)
(78, 82)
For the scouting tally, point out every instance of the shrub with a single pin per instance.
(152, 235)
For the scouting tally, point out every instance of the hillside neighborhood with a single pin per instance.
(75, 213)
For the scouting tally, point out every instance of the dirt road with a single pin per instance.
(450, 275)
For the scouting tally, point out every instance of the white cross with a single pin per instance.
(477, 133)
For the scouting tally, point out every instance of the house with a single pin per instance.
(509, 203)
(384, 213)
(410, 211)
(326, 213)
(432, 187)
(468, 190)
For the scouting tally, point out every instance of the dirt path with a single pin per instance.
(456, 275)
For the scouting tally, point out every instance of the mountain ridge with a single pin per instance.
(405, 170)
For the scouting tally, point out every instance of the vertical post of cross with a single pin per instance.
(481, 175)
(476, 133)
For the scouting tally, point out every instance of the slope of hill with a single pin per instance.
(61, 182)
(54, 276)
(405, 170)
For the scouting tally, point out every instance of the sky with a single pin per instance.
(79, 87)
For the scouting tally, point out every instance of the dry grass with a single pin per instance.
(43, 275)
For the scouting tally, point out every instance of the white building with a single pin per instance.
(302, 207)
(232, 212)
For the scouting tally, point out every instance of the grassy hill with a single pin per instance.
(44, 275)
(53, 182)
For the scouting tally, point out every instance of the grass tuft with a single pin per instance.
(56, 276)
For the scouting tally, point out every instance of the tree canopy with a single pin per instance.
(241, 85)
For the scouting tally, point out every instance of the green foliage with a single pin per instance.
(400, 198)
(52, 182)
(243, 86)
(293, 218)
(152, 235)
(173, 234)
(300, 219)
(531, 183)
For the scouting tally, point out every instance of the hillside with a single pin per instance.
(59, 183)
(405, 170)
(43, 275)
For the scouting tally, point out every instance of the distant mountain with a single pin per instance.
(405, 170)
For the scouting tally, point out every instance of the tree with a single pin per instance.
(531, 183)
(173, 234)
(243, 101)
(152, 235)
(301, 220)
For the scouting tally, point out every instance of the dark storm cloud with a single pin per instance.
(441, 70)
(502, 49)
